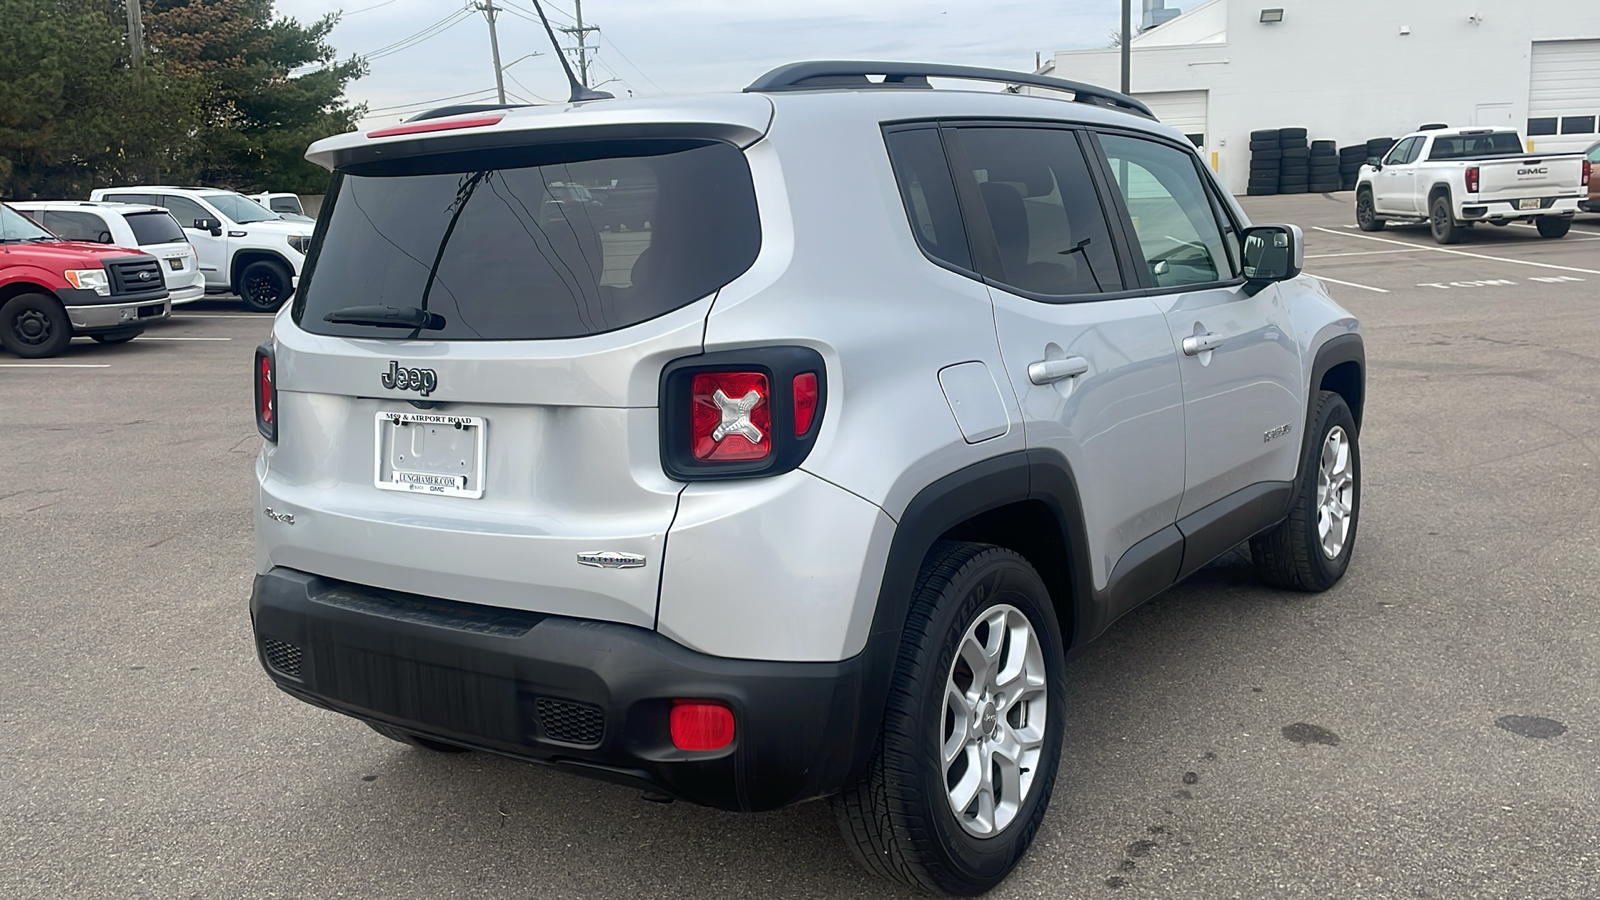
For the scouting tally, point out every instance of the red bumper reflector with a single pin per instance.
(701, 726)
(805, 402)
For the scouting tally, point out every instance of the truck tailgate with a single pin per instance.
(1529, 177)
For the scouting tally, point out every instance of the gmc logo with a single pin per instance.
(1542, 171)
(422, 380)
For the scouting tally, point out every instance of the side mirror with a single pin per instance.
(103, 237)
(211, 225)
(1272, 253)
(1375, 162)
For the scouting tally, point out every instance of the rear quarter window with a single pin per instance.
(155, 228)
(504, 247)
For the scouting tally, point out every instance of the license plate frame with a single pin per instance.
(1530, 203)
(444, 469)
(175, 263)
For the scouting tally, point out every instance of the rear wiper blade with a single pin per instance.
(387, 317)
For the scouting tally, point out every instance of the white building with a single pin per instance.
(1349, 70)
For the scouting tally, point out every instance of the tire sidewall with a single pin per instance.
(1003, 578)
(1332, 412)
(1443, 228)
(278, 269)
(60, 326)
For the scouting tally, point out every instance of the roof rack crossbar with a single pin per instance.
(826, 74)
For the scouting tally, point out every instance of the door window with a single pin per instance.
(76, 226)
(1034, 197)
(186, 211)
(1172, 217)
(1403, 152)
(929, 195)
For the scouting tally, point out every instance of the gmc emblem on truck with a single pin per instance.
(1543, 170)
(423, 380)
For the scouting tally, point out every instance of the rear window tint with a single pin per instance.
(520, 252)
(1464, 146)
(155, 228)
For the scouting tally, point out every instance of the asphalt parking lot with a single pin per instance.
(1425, 729)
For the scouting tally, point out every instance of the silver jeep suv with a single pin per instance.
(809, 485)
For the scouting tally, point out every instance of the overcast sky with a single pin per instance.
(676, 46)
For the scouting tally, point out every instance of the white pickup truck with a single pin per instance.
(1453, 178)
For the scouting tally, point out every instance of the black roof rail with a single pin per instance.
(462, 108)
(824, 74)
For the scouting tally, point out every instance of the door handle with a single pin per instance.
(1194, 345)
(1049, 371)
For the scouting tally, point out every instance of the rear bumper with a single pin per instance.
(188, 294)
(1488, 211)
(590, 697)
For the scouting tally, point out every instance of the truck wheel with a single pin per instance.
(1310, 550)
(967, 755)
(1553, 226)
(422, 743)
(34, 326)
(264, 285)
(1367, 214)
(1443, 221)
(117, 337)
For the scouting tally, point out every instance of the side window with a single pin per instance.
(1172, 217)
(1035, 197)
(184, 210)
(928, 195)
(1416, 150)
(130, 198)
(1399, 153)
(76, 226)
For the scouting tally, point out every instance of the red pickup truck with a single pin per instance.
(51, 290)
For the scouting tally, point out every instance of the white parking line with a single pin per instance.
(145, 337)
(55, 365)
(1363, 253)
(1364, 287)
(259, 318)
(1520, 262)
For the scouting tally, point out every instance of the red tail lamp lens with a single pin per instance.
(265, 390)
(265, 378)
(805, 402)
(1472, 180)
(1588, 168)
(732, 416)
(701, 726)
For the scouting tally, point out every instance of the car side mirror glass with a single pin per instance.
(1272, 253)
(1375, 162)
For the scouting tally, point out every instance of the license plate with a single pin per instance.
(176, 264)
(429, 453)
(1529, 204)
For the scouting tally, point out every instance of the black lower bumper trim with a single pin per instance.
(492, 679)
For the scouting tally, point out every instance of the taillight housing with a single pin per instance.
(1472, 179)
(1588, 167)
(266, 381)
(741, 413)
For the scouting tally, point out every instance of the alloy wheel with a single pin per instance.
(993, 724)
(1336, 486)
(264, 289)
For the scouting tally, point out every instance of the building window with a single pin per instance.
(1542, 126)
(1577, 125)
(1199, 140)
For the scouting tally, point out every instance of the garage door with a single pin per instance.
(1564, 93)
(1183, 110)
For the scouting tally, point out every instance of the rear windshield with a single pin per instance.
(1465, 146)
(508, 247)
(155, 228)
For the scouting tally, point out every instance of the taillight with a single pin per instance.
(741, 413)
(266, 380)
(1472, 179)
(698, 725)
(1587, 168)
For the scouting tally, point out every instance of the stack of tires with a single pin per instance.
(1266, 160)
(1351, 159)
(1379, 146)
(1324, 167)
(1294, 176)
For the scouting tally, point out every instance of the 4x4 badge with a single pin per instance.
(423, 380)
(610, 559)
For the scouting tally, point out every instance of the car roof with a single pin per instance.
(79, 205)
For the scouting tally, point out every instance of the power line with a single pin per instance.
(432, 31)
(429, 102)
(357, 12)
(611, 43)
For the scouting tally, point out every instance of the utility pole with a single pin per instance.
(488, 9)
(135, 32)
(1127, 46)
(581, 32)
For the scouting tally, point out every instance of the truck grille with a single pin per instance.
(136, 276)
(571, 723)
(283, 658)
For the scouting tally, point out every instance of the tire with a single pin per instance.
(1261, 191)
(1442, 221)
(1264, 145)
(35, 326)
(1553, 226)
(1269, 153)
(1265, 171)
(117, 337)
(1366, 213)
(900, 820)
(264, 285)
(1296, 153)
(1324, 148)
(1265, 134)
(1291, 134)
(1295, 555)
(1263, 183)
(413, 740)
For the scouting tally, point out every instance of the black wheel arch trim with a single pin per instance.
(1336, 351)
(244, 257)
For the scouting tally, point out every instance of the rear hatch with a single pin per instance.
(160, 236)
(1530, 178)
(507, 453)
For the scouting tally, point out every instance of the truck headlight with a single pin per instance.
(301, 243)
(89, 280)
